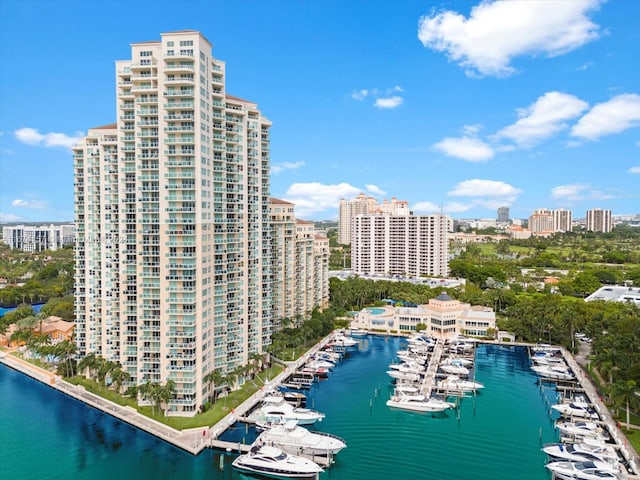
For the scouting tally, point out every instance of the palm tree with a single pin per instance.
(88, 364)
(119, 377)
(148, 392)
(65, 351)
(164, 393)
(215, 378)
(624, 393)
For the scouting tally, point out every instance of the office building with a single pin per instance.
(173, 251)
(503, 215)
(599, 220)
(405, 245)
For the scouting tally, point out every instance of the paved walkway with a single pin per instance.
(578, 364)
(192, 440)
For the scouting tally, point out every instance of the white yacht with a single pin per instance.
(582, 429)
(293, 438)
(583, 470)
(358, 333)
(555, 372)
(455, 369)
(454, 384)
(418, 403)
(577, 408)
(273, 462)
(405, 376)
(580, 452)
(276, 410)
(461, 361)
(344, 341)
(406, 389)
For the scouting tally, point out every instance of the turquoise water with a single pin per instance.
(376, 311)
(44, 434)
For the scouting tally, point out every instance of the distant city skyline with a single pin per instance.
(449, 108)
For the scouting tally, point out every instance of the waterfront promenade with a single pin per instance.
(192, 440)
(197, 439)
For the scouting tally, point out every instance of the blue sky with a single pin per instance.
(463, 106)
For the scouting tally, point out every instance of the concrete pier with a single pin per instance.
(434, 363)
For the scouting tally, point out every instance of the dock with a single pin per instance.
(434, 363)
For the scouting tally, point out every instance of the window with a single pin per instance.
(170, 44)
(146, 53)
(186, 43)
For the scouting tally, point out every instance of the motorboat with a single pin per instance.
(273, 462)
(418, 403)
(407, 367)
(546, 358)
(408, 357)
(556, 372)
(358, 333)
(405, 376)
(276, 410)
(319, 363)
(406, 389)
(583, 470)
(455, 369)
(461, 361)
(546, 348)
(583, 429)
(296, 399)
(577, 408)
(581, 452)
(316, 371)
(293, 438)
(344, 341)
(454, 384)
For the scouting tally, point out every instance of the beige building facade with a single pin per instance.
(405, 245)
(173, 260)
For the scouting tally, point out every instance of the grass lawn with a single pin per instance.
(212, 416)
(634, 438)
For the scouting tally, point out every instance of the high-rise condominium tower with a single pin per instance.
(173, 257)
(363, 205)
(599, 220)
(562, 220)
(401, 245)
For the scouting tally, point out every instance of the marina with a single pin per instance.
(512, 417)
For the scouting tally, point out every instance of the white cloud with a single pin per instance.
(27, 203)
(279, 167)
(360, 94)
(384, 98)
(497, 32)
(568, 192)
(635, 169)
(32, 136)
(465, 148)
(375, 190)
(449, 207)
(584, 66)
(314, 197)
(578, 192)
(484, 188)
(391, 102)
(9, 217)
(618, 114)
(545, 117)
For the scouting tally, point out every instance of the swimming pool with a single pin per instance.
(376, 311)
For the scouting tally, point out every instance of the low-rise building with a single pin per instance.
(616, 293)
(444, 317)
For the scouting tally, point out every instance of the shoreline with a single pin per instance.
(195, 440)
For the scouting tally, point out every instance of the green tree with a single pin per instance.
(624, 393)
